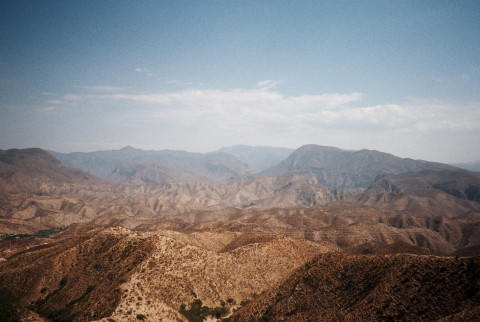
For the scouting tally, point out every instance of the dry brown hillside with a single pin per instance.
(118, 273)
(27, 170)
(367, 288)
(74, 247)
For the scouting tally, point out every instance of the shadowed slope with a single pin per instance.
(342, 169)
(367, 288)
(28, 170)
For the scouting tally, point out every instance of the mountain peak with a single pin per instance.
(129, 148)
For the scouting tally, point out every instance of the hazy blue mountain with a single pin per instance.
(461, 184)
(342, 169)
(470, 166)
(258, 158)
(130, 165)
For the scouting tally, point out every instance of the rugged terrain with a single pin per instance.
(343, 169)
(78, 247)
(118, 273)
(377, 287)
(130, 165)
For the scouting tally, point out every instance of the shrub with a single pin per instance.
(198, 313)
(63, 282)
(141, 317)
(9, 308)
(90, 288)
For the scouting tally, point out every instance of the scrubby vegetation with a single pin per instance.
(46, 233)
(198, 312)
(375, 287)
(65, 313)
(9, 307)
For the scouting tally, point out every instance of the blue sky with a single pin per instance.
(397, 76)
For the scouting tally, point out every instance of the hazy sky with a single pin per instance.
(397, 76)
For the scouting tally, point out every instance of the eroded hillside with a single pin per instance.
(118, 273)
(76, 247)
(373, 288)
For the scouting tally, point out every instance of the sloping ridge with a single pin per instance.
(28, 169)
(258, 158)
(458, 183)
(118, 273)
(372, 288)
(130, 165)
(342, 169)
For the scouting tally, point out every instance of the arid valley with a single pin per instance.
(240, 234)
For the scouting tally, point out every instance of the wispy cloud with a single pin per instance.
(267, 84)
(182, 83)
(50, 108)
(267, 108)
(103, 88)
(52, 104)
(144, 71)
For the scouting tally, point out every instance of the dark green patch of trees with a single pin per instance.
(46, 233)
(198, 312)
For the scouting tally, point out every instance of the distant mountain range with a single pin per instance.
(333, 167)
(130, 165)
(470, 166)
(258, 158)
(342, 169)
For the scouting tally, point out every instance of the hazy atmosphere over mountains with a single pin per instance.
(239, 160)
(398, 77)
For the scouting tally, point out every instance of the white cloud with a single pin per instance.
(55, 102)
(233, 100)
(264, 115)
(45, 109)
(267, 84)
(103, 88)
(144, 71)
(72, 97)
(182, 83)
(52, 104)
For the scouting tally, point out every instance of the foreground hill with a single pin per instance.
(119, 274)
(116, 274)
(372, 288)
(130, 165)
(27, 170)
(342, 169)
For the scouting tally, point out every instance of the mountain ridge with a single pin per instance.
(345, 169)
